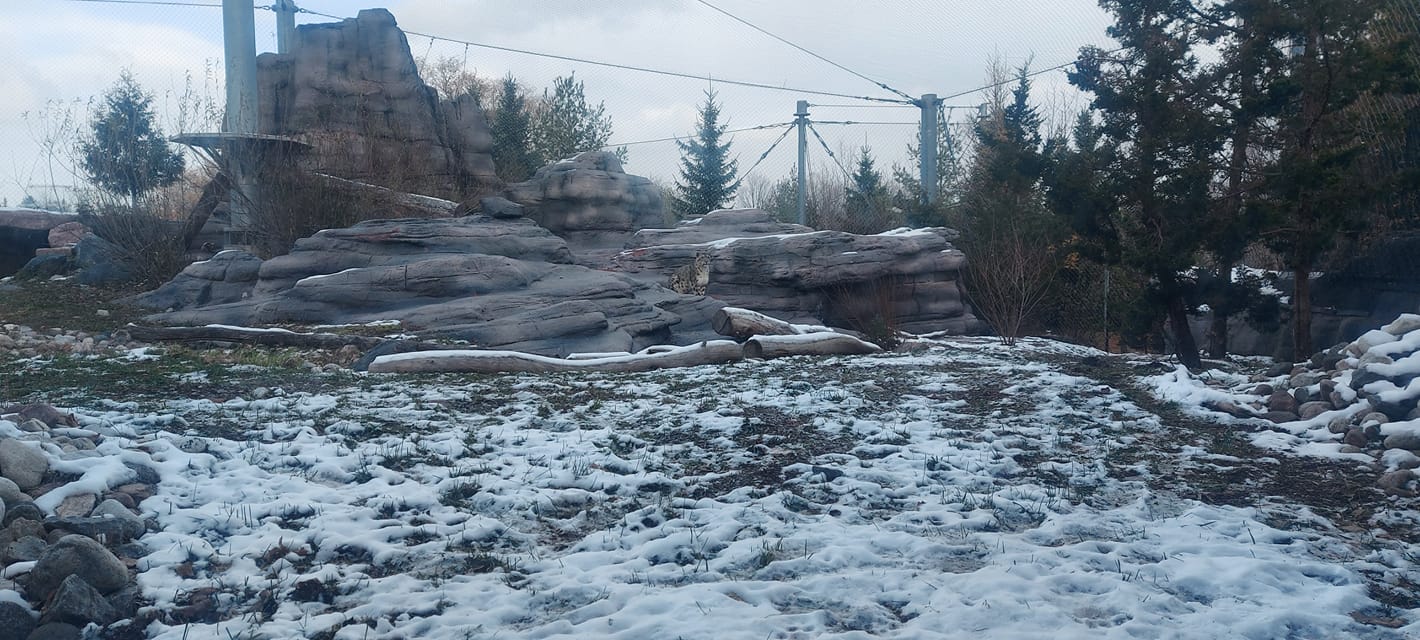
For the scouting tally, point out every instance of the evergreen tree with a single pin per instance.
(867, 194)
(127, 154)
(1317, 192)
(1249, 60)
(511, 127)
(1160, 171)
(707, 174)
(565, 124)
(1012, 238)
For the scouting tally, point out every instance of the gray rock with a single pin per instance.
(501, 208)
(125, 601)
(1280, 416)
(10, 492)
(26, 549)
(1302, 395)
(76, 555)
(1339, 424)
(826, 277)
(22, 463)
(57, 631)
(351, 90)
(76, 505)
(1313, 409)
(20, 529)
(114, 509)
(1395, 411)
(589, 200)
(1263, 390)
(1282, 401)
(1304, 379)
(1279, 369)
(717, 225)
(1355, 437)
(16, 623)
(78, 603)
(228, 276)
(1374, 417)
(33, 426)
(22, 510)
(106, 529)
(143, 474)
(1403, 440)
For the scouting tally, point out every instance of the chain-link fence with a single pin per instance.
(650, 64)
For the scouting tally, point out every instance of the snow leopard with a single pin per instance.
(692, 278)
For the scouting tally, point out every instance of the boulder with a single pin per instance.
(78, 603)
(228, 276)
(23, 464)
(589, 200)
(22, 231)
(1403, 440)
(16, 623)
(501, 284)
(57, 631)
(10, 492)
(911, 279)
(76, 555)
(67, 234)
(351, 91)
(1311, 410)
(1282, 401)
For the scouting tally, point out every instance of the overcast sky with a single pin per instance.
(65, 50)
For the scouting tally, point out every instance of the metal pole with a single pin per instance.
(801, 118)
(285, 24)
(928, 148)
(239, 40)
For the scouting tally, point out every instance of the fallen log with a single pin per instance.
(807, 344)
(470, 361)
(250, 335)
(742, 323)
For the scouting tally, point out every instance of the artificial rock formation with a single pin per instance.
(504, 284)
(25, 231)
(589, 201)
(907, 279)
(351, 91)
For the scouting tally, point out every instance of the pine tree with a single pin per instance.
(868, 194)
(707, 174)
(1006, 228)
(127, 154)
(565, 124)
(1147, 96)
(510, 128)
(1317, 191)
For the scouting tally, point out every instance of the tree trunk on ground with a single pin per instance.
(1184, 344)
(742, 323)
(1301, 312)
(813, 344)
(713, 352)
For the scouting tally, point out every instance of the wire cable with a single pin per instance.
(831, 155)
(162, 3)
(1017, 78)
(756, 128)
(626, 67)
(744, 174)
(854, 122)
(751, 25)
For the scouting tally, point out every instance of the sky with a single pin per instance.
(62, 53)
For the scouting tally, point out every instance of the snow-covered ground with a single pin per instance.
(969, 490)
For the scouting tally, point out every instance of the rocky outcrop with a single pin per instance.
(907, 279)
(502, 284)
(23, 232)
(351, 91)
(589, 201)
